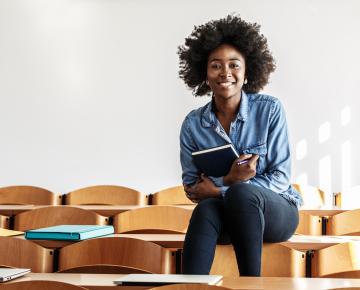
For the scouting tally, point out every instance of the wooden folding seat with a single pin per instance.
(40, 285)
(277, 261)
(338, 261)
(104, 254)
(312, 196)
(309, 224)
(106, 195)
(190, 287)
(153, 219)
(56, 215)
(345, 223)
(20, 253)
(24, 194)
(170, 196)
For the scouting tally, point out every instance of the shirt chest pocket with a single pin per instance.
(260, 150)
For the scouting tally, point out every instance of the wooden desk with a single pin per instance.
(300, 243)
(104, 281)
(105, 210)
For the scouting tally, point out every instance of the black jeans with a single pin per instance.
(248, 215)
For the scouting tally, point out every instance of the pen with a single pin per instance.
(242, 162)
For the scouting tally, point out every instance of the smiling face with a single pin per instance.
(226, 72)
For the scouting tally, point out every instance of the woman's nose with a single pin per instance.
(225, 71)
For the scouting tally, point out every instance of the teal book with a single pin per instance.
(69, 232)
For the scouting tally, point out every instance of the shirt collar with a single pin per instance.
(208, 118)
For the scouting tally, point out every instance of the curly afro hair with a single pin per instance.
(232, 30)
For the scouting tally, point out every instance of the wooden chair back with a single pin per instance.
(309, 225)
(289, 262)
(154, 219)
(190, 287)
(20, 253)
(40, 285)
(57, 215)
(338, 261)
(106, 195)
(4, 222)
(170, 196)
(312, 196)
(24, 194)
(127, 252)
(345, 223)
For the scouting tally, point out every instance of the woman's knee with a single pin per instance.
(209, 207)
(243, 194)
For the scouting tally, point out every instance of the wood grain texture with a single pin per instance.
(170, 196)
(24, 194)
(4, 222)
(346, 223)
(340, 261)
(154, 219)
(25, 254)
(56, 215)
(40, 285)
(289, 262)
(106, 195)
(127, 252)
(309, 225)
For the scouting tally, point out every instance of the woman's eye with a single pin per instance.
(215, 66)
(234, 65)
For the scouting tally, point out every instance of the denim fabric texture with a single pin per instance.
(259, 128)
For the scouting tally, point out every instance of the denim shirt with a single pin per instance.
(259, 128)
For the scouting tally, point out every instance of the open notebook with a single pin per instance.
(163, 279)
(7, 274)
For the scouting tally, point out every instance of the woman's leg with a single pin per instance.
(254, 214)
(204, 229)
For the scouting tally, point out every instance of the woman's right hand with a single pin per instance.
(242, 171)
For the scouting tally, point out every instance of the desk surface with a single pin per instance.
(104, 281)
(296, 242)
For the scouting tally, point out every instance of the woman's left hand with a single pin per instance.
(202, 189)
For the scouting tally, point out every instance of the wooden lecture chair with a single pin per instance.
(106, 195)
(171, 196)
(24, 194)
(40, 285)
(345, 223)
(116, 255)
(309, 224)
(277, 261)
(154, 219)
(21, 253)
(190, 287)
(313, 197)
(338, 261)
(57, 215)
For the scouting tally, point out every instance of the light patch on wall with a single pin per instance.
(324, 132)
(345, 116)
(325, 177)
(346, 164)
(302, 179)
(301, 149)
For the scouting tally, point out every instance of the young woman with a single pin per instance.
(254, 202)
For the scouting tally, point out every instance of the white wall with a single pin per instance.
(89, 91)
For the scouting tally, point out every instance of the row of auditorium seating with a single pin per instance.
(120, 195)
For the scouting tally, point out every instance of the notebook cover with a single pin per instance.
(69, 232)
